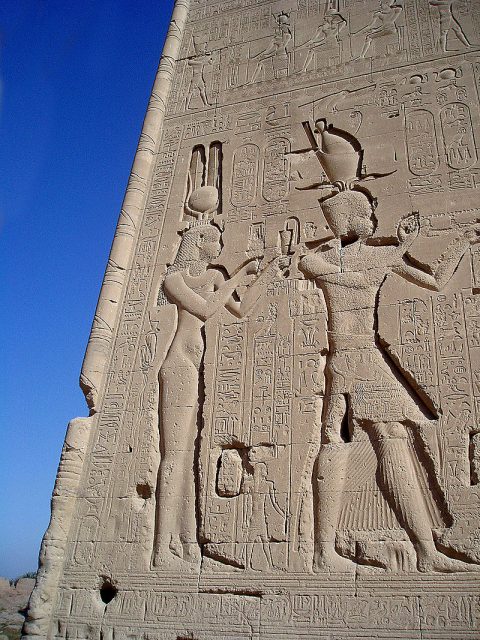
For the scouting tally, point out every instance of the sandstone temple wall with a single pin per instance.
(283, 372)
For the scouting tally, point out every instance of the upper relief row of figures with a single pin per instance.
(337, 30)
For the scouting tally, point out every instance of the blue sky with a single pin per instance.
(75, 81)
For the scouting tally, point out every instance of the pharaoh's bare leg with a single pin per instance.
(329, 479)
(397, 480)
(203, 96)
(268, 551)
(249, 549)
(366, 46)
(176, 495)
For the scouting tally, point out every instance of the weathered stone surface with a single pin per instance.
(283, 370)
(13, 601)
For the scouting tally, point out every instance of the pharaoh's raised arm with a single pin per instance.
(445, 266)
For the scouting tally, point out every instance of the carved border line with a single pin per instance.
(52, 553)
(123, 247)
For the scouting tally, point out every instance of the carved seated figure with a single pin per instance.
(327, 37)
(382, 30)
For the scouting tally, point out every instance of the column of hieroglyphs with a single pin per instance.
(284, 366)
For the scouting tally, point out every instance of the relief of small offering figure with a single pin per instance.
(199, 291)
(261, 495)
(364, 389)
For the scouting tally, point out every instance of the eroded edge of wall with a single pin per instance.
(52, 552)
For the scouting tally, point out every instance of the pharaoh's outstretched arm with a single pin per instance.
(254, 291)
(446, 264)
(372, 26)
(314, 265)
(312, 40)
(266, 52)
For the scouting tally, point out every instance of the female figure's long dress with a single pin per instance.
(197, 297)
(179, 431)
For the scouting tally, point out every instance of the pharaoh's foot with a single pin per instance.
(327, 560)
(165, 559)
(176, 554)
(434, 561)
(191, 552)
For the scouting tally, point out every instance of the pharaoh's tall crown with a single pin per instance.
(340, 154)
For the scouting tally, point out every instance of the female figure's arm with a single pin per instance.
(178, 291)
(255, 290)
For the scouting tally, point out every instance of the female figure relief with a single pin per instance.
(199, 292)
(363, 388)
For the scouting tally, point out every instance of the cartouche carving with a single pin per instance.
(364, 389)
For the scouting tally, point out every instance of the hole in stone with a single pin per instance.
(107, 591)
(144, 491)
(345, 426)
(474, 475)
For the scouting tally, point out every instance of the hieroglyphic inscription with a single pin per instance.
(229, 390)
(289, 443)
(245, 175)
(422, 142)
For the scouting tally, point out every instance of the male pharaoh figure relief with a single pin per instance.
(350, 270)
(199, 292)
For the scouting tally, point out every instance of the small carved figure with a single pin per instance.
(277, 47)
(364, 390)
(448, 22)
(383, 24)
(260, 493)
(197, 82)
(327, 35)
(199, 292)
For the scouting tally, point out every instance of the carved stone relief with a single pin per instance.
(284, 367)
